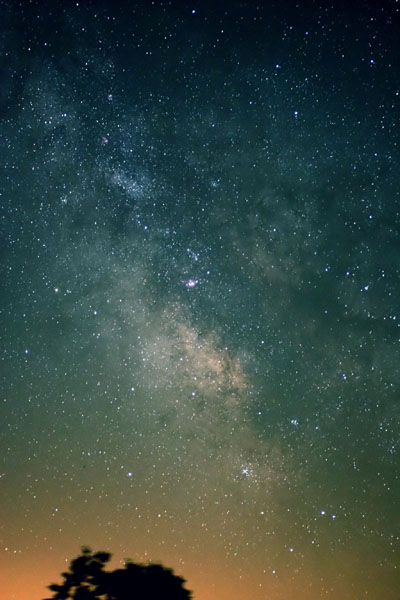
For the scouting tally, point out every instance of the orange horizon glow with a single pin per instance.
(22, 580)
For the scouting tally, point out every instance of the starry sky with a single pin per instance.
(200, 256)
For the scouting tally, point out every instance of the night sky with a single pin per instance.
(199, 308)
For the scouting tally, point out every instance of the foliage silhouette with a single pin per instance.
(88, 580)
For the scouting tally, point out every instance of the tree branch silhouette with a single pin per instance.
(87, 579)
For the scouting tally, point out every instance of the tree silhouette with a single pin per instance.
(88, 580)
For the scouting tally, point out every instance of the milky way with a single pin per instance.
(199, 310)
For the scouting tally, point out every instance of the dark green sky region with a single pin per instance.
(200, 254)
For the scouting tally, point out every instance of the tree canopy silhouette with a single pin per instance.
(87, 579)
